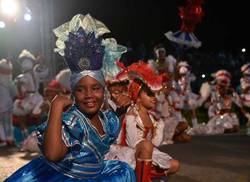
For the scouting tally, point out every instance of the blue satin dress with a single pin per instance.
(86, 150)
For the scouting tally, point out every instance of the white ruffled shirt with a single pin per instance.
(135, 130)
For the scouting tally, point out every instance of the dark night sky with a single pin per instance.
(224, 25)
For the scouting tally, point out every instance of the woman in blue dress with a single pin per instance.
(76, 137)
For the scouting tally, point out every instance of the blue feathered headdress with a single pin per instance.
(79, 42)
(113, 53)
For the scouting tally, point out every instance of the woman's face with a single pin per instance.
(147, 99)
(89, 95)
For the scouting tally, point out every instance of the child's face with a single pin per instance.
(89, 95)
(148, 99)
(116, 91)
(161, 54)
(167, 88)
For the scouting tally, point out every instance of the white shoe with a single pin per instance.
(167, 142)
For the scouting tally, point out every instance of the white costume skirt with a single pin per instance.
(127, 154)
(216, 125)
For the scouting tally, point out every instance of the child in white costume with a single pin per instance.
(191, 100)
(245, 93)
(169, 105)
(29, 101)
(163, 63)
(221, 97)
(138, 141)
(141, 130)
(7, 94)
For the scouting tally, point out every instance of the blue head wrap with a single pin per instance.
(96, 74)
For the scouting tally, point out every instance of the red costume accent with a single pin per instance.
(144, 72)
(54, 85)
(190, 15)
(142, 170)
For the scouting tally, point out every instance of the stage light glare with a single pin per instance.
(2, 24)
(9, 7)
(27, 17)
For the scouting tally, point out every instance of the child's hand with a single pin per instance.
(123, 100)
(61, 102)
(45, 106)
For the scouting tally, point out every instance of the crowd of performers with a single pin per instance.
(102, 121)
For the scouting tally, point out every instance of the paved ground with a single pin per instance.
(224, 158)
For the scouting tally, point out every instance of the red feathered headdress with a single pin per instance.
(142, 71)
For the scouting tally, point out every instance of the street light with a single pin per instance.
(27, 15)
(9, 7)
(243, 50)
(2, 24)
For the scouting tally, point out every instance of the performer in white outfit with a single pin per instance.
(7, 94)
(245, 93)
(222, 96)
(164, 64)
(42, 72)
(141, 130)
(169, 105)
(191, 100)
(29, 101)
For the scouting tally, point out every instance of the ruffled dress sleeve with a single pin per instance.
(133, 134)
(72, 133)
(113, 125)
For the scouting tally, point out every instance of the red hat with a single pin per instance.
(145, 73)
(54, 85)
